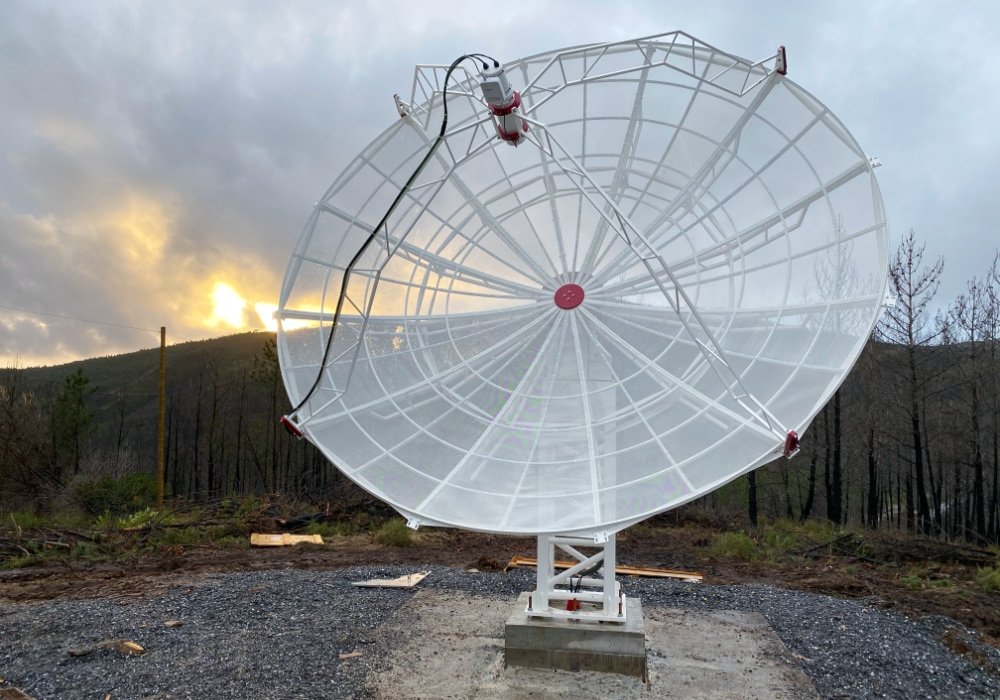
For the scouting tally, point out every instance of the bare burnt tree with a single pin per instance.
(908, 324)
(867, 388)
(992, 386)
(27, 473)
(969, 328)
(836, 278)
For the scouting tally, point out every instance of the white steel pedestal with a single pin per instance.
(575, 593)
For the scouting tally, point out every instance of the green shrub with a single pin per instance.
(989, 579)
(140, 518)
(394, 533)
(248, 506)
(328, 529)
(780, 541)
(735, 545)
(118, 497)
(819, 530)
(180, 536)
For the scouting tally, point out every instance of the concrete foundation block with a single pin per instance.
(537, 642)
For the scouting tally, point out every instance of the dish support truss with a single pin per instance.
(575, 593)
(677, 50)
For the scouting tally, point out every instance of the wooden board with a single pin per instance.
(405, 581)
(14, 694)
(689, 576)
(258, 539)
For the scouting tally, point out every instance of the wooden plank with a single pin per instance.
(405, 581)
(689, 576)
(14, 694)
(258, 539)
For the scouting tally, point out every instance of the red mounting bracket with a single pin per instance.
(791, 443)
(290, 426)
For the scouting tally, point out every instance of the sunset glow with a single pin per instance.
(266, 313)
(229, 308)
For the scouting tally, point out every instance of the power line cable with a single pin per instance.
(89, 320)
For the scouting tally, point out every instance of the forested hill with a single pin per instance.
(97, 417)
(184, 360)
(122, 390)
(910, 441)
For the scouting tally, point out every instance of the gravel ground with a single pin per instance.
(278, 634)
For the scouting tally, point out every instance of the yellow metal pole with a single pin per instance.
(160, 431)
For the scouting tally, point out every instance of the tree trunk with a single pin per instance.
(807, 507)
(936, 485)
(872, 519)
(196, 472)
(835, 508)
(923, 509)
(212, 419)
(238, 486)
(994, 533)
(786, 485)
(910, 514)
(978, 479)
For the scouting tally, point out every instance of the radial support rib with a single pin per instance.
(675, 295)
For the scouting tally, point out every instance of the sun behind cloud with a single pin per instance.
(228, 307)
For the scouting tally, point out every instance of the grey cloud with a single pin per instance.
(233, 118)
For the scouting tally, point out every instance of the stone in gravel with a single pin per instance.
(172, 624)
(130, 648)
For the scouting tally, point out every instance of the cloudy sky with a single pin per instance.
(157, 159)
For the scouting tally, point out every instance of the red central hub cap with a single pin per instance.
(569, 296)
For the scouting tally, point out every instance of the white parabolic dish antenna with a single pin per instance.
(676, 266)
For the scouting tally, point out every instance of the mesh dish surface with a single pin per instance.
(458, 389)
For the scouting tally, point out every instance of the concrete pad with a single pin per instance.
(537, 642)
(450, 645)
(720, 654)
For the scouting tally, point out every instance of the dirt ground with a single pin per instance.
(948, 591)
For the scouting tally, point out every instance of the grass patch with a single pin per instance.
(23, 561)
(40, 555)
(232, 542)
(735, 545)
(24, 520)
(394, 533)
(927, 577)
(119, 497)
(224, 531)
(328, 529)
(180, 536)
(819, 530)
(779, 541)
(988, 579)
